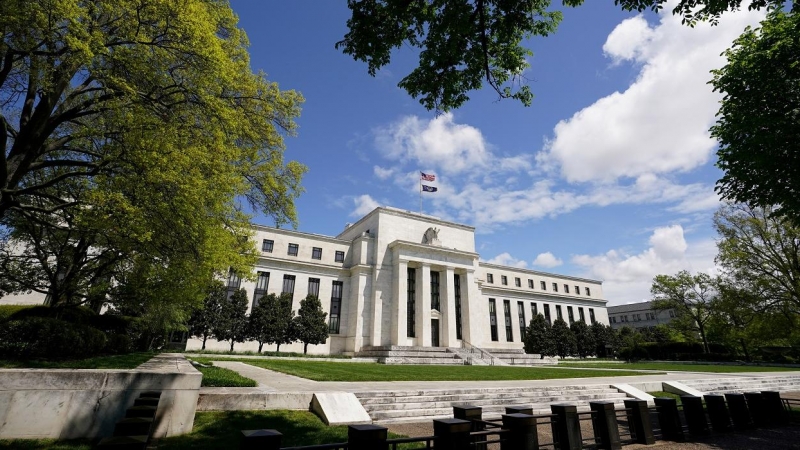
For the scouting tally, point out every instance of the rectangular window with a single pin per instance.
(534, 309)
(517, 282)
(547, 314)
(566, 288)
(316, 253)
(489, 278)
(336, 307)
(339, 256)
(288, 285)
(521, 312)
(266, 245)
(507, 314)
(530, 284)
(504, 280)
(581, 315)
(555, 287)
(457, 287)
(262, 282)
(233, 280)
(543, 285)
(293, 249)
(614, 319)
(313, 287)
(558, 313)
(435, 290)
(577, 290)
(588, 292)
(570, 315)
(410, 299)
(493, 318)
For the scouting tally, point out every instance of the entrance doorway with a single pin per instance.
(434, 332)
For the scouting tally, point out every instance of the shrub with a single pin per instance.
(44, 337)
(72, 314)
(6, 311)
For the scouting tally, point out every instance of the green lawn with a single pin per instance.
(672, 367)
(341, 371)
(129, 361)
(221, 377)
(45, 444)
(666, 394)
(222, 430)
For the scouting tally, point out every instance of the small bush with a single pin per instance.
(44, 337)
(6, 311)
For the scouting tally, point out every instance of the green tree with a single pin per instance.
(309, 325)
(538, 337)
(758, 123)
(271, 319)
(232, 322)
(563, 339)
(691, 296)
(585, 345)
(203, 320)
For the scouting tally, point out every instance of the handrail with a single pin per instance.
(482, 352)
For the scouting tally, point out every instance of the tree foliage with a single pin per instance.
(585, 344)
(563, 339)
(309, 325)
(691, 296)
(204, 319)
(538, 337)
(758, 125)
(271, 320)
(232, 320)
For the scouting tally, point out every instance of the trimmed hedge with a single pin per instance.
(676, 351)
(43, 337)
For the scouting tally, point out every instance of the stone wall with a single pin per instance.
(76, 403)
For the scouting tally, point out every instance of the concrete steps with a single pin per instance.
(781, 383)
(518, 357)
(424, 405)
(411, 355)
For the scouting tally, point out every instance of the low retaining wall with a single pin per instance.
(77, 403)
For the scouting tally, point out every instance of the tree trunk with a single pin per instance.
(260, 346)
(204, 341)
(702, 330)
(278, 350)
(744, 348)
(233, 341)
(305, 348)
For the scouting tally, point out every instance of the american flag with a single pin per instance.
(428, 177)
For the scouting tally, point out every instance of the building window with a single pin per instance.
(435, 290)
(570, 315)
(577, 290)
(288, 285)
(521, 312)
(588, 292)
(234, 282)
(336, 307)
(293, 249)
(262, 282)
(316, 253)
(581, 315)
(410, 299)
(558, 313)
(530, 284)
(489, 278)
(591, 315)
(547, 314)
(517, 282)
(555, 287)
(266, 245)
(507, 314)
(614, 319)
(671, 313)
(457, 287)
(504, 280)
(493, 318)
(566, 288)
(534, 310)
(339, 256)
(543, 285)
(313, 287)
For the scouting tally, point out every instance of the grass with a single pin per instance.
(7, 310)
(128, 361)
(666, 394)
(251, 353)
(45, 444)
(679, 367)
(221, 377)
(340, 371)
(222, 430)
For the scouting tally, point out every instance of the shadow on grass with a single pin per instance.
(45, 444)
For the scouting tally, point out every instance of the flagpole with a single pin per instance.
(420, 192)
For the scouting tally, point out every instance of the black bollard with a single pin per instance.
(522, 433)
(740, 416)
(718, 413)
(519, 410)
(755, 403)
(260, 440)
(474, 415)
(669, 419)
(773, 406)
(566, 426)
(695, 415)
(639, 420)
(605, 426)
(452, 434)
(367, 437)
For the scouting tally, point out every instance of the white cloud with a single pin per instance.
(628, 277)
(547, 260)
(364, 205)
(660, 123)
(505, 259)
(382, 173)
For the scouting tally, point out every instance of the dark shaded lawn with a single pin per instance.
(129, 361)
(45, 444)
(678, 367)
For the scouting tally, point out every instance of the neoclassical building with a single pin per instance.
(397, 278)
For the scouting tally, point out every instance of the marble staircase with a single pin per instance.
(393, 354)
(518, 357)
(781, 383)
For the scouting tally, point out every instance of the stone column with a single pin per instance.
(447, 297)
(423, 306)
(470, 309)
(399, 300)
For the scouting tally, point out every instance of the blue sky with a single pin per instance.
(608, 175)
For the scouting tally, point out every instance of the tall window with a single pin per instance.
(313, 287)
(457, 287)
(316, 253)
(410, 298)
(293, 249)
(570, 315)
(336, 306)
(504, 280)
(489, 278)
(266, 245)
(581, 315)
(558, 312)
(517, 282)
(234, 282)
(262, 282)
(555, 287)
(547, 314)
(530, 284)
(566, 288)
(534, 310)
(588, 292)
(288, 285)
(577, 290)
(543, 285)
(435, 290)
(507, 314)
(493, 318)
(339, 256)
(521, 312)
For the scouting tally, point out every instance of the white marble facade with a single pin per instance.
(376, 255)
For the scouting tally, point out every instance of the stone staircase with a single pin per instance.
(425, 405)
(781, 383)
(518, 357)
(392, 354)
